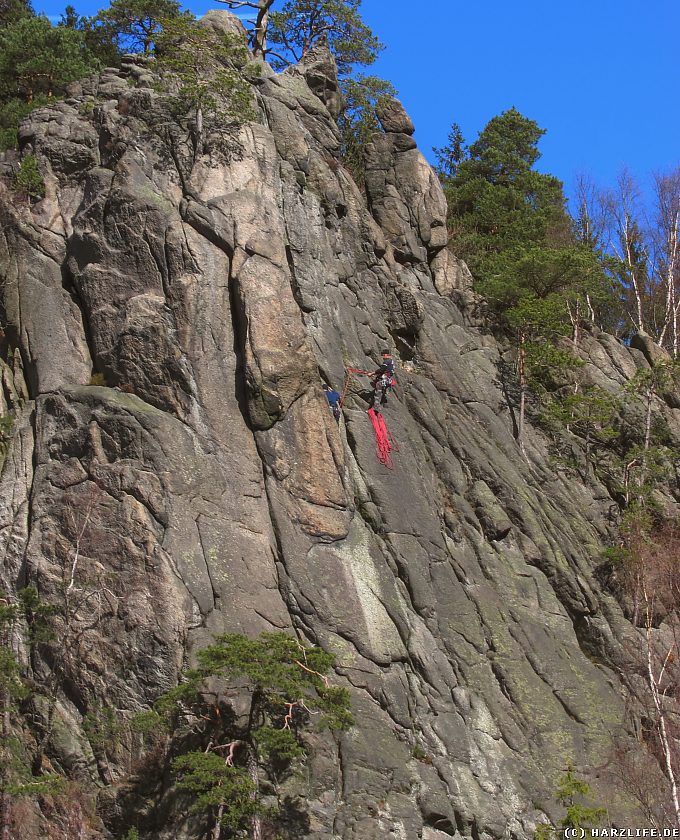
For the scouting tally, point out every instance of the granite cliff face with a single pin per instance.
(203, 485)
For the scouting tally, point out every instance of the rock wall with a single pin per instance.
(203, 486)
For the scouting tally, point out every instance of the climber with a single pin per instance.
(333, 400)
(383, 381)
(387, 362)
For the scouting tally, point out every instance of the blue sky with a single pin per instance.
(601, 76)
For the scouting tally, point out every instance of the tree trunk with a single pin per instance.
(5, 798)
(5, 816)
(634, 280)
(255, 822)
(675, 326)
(521, 371)
(663, 734)
(668, 198)
(261, 26)
(199, 133)
(591, 311)
(217, 831)
(648, 440)
(575, 318)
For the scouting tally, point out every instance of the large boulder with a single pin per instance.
(224, 22)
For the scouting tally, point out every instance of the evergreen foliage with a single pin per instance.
(37, 58)
(218, 787)
(136, 24)
(497, 201)
(12, 10)
(301, 23)
(287, 684)
(571, 793)
(509, 222)
(203, 73)
(358, 123)
(449, 157)
(28, 180)
(12, 113)
(37, 63)
(101, 37)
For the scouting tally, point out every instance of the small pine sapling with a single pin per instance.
(571, 794)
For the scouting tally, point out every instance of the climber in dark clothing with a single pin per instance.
(386, 367)
(383, 381)
(333, 400)
(387, 362)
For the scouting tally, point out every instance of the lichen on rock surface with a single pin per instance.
(206, 487)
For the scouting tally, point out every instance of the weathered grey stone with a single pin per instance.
(492, 517)
(70, 145)
(207, 488)
(42, 314)
(321, 74)
(405, 198)
(224, 23)
(393, 118)
(651, 350)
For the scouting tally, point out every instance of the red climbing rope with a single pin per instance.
(348, 376)
(384, 443)
(392, 441)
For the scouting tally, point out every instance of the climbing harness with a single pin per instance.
(381, 388)
(384, 442)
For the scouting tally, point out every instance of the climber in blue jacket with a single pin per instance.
(333, 400)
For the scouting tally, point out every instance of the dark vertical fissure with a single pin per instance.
(295, 287)
(239, 329)
(69, 285)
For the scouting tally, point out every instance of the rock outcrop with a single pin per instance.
(201, 485)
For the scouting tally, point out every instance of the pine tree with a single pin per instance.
(358, 123)
(287, 684)
(572, 793)
(509, 222)
(136, 23)
(203, 74)
(37, 63)
(450, 156)
(301, 23)
(37, 59)
(12, 10)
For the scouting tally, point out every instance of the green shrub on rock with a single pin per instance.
(28, 180)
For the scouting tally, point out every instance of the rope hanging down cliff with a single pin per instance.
(384, 442)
